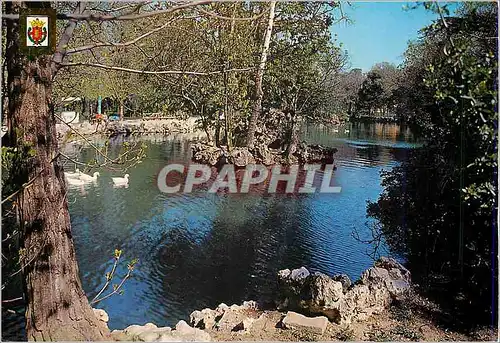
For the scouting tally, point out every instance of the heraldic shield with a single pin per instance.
(38, 35)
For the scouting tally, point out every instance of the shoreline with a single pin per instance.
(128, 127)
(382, 305)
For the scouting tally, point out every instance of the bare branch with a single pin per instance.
(66, 36)
(158, 72)
(215, 15)
(111, 10)
(133, 41)
(109, 17)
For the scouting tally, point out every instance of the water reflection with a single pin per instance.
(197, 250)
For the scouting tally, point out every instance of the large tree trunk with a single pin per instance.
(259, 94)
(57, 308)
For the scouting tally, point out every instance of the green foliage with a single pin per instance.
(371, 93)
(438, 208)
(303, 59)
(302, 62)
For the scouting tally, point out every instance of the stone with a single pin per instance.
(204, 319)
(148, 336)
(206, 154)
(325, 296)
(184, 332)
(221, 308)
(292, 286)
(335, 297)
(251, 305)
(244, 325)
(391, 264)
(295, 320)
(101, 315)
(263, 155)
(324, 290)
(241, 157)
(374, 275)
(231, 318)
(134, 330)
(284, 274)
(344, 280)
(119, 335)
(299, 274)
(150, 326)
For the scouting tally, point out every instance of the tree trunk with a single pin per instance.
(257, 107)
(121, 110)
(57, 308)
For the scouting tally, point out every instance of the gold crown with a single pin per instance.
(37, 22)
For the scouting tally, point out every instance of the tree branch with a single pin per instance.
(103, 44)
(65, 38)
(215, 15)
(111, 17)
(158, 72)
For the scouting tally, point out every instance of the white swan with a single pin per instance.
(336, 130)
(89, 178)
(346, 131)
(69, 175)
(120, 181)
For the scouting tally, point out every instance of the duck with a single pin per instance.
(336, 130)
(346, 131)
(70, 175)
(89, 178)
(75, 182)
(120, 181)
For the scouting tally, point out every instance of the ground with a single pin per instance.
(412, 319)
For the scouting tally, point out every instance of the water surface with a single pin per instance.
(198, 250)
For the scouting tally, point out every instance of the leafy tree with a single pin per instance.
(438, 208)
(370, 95)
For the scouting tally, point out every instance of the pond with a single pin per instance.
(197, 250)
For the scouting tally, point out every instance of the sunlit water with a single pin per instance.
(198, 250)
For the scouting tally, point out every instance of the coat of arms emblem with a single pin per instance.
(37, 31)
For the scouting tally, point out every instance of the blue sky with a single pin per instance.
(380, 31)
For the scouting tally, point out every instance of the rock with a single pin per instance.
(150, 326)
(262, 154)
(184, 332)
(374, 275)
(315, 153)
(204, 319)
(101, 315)
(241, 157)
(206, 154)
(284, 274)
(325, 296)
(244, 325)
(324, 290)
(134, 330)
(251, 305)
(231, 318)
(299, 274)
(336, 298)
(119, 335)
(344, 280)
(221, 308)
(291, 284)
(295, 320)
(148, 336)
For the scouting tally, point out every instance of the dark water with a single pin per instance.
(198, 250)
